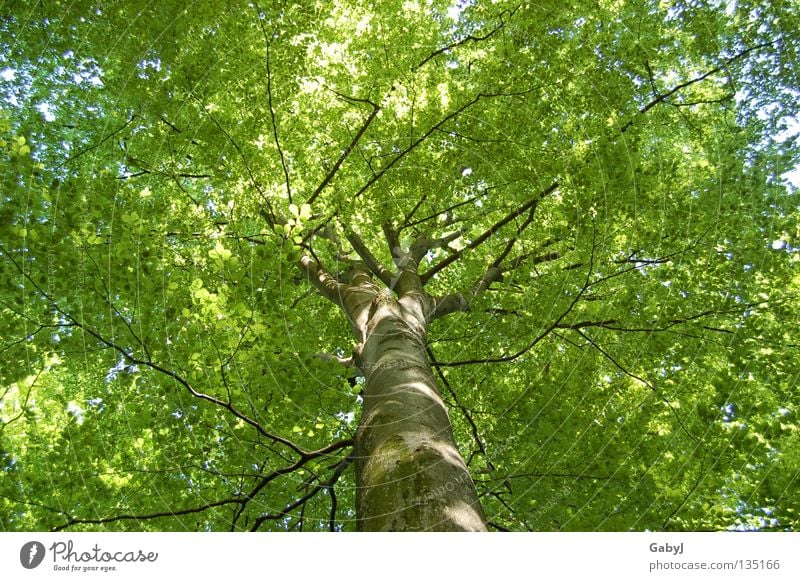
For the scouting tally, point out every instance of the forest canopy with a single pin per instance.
(596, 201)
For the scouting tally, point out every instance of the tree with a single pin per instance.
(415, 265)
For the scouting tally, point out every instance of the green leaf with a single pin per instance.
(615, 231)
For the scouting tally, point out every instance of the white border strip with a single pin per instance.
(406, 556)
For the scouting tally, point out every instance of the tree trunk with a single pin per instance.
(409, 473)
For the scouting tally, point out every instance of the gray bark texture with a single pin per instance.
(410, 475)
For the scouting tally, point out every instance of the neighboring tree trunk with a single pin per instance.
(410, 475)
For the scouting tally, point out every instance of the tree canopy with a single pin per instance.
(600, 191)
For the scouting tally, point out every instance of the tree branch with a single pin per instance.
(148, 516)
(273, 119)
(320, 486)
(492, 230)
(270, 213)
(641, 380)
(235, 500)
(89, 148)
(381, 172)
(550, 328)
(156, 367)
(286, 470)
(369, 259)
(347, 150)
(393, 242)
(467, 39)
(422, 245)
(322, 280)
(535, 258)
(663, 97)
(413, 211)
(407, 279)
(454, 303)
(407, 224)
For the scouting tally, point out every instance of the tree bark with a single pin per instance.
(410, 475)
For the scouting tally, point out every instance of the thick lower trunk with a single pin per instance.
(410, 475)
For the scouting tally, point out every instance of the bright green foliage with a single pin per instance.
(164, 164)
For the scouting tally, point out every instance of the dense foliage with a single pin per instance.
(631, 365)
